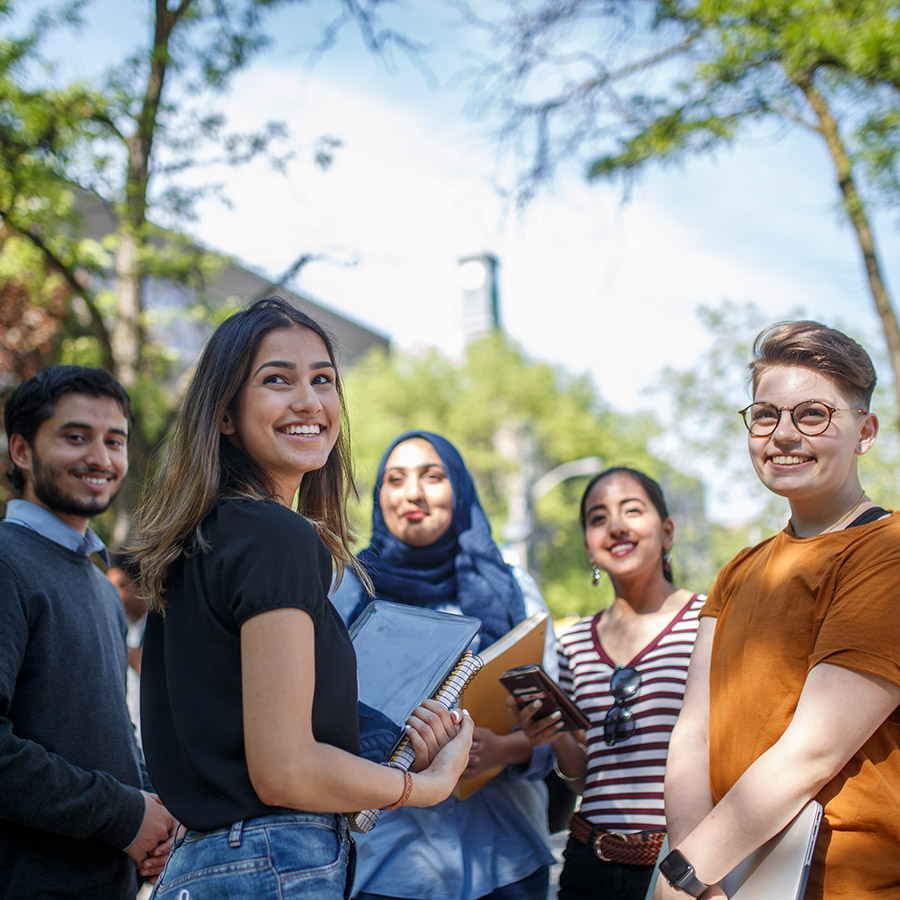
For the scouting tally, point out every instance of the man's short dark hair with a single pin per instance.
(34, 400)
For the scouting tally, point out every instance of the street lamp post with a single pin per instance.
(587, 465)
(519, 532)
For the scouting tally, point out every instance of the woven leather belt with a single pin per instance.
(637, 848)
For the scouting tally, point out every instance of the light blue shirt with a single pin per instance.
(47, 524)
(461, 850)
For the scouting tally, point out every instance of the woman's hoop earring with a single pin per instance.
(596, 572)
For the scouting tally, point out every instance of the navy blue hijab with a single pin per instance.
(463, 565)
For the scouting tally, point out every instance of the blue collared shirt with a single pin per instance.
(48, 525)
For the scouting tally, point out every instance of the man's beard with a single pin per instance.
(46, 489)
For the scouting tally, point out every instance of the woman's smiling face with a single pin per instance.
(416, 495)
(624, 533)
(804, 469)
(286, 416)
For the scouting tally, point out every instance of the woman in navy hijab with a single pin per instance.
(431, 546)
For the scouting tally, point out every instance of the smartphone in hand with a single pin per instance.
(530, 683)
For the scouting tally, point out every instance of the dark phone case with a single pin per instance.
(525, 682)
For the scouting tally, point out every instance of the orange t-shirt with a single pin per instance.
(782, 607)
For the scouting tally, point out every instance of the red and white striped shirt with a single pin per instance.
(624, 783)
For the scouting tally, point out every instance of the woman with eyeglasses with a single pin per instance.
(794, 685)
(626, 668)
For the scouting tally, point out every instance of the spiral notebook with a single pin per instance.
(405, 654)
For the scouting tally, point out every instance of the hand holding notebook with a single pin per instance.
(405, 655)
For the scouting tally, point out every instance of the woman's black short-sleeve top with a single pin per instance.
(261, 556)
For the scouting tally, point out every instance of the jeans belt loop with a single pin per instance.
(234, 836)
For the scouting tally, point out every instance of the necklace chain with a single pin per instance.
(846, 515)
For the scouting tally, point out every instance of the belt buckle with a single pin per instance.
(598, 843)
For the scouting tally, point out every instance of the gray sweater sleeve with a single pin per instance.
(46, 778)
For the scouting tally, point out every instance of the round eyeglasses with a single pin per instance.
(811, 417)
(618, 726)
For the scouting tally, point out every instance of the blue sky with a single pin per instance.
(587, 281)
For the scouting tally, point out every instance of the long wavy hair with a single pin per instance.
(200, 466)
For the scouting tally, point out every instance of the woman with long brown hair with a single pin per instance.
(249, 699)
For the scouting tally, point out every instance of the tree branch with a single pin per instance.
(856, 212)
(71, 278)
(108, 123)
(608, 77)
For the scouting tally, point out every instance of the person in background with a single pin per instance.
(626, 668)
(76, 814)
(124, 574)
(248, 690)
(431, 546)
(794, 686)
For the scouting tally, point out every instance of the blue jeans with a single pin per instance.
(278, 857)
(532, 887)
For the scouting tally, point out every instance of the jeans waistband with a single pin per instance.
(236, 831)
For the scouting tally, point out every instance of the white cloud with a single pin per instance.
(586, 282)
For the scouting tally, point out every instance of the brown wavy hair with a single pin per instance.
(200, 466)
(819, 348)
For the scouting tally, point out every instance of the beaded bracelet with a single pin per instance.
(407, 787)
(562, 774)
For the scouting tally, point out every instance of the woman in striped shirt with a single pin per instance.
(626, 668)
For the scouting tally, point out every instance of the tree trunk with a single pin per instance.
(126, 334)
(856, 212)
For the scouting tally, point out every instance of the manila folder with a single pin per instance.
(485, 697)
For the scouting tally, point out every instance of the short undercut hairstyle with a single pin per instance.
(34, 400)
(811, 345)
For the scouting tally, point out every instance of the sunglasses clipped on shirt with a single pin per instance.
(618, 726)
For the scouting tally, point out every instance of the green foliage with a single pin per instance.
(130, 136)
(498, 390)
(55, 136)
(740, 62)
(627, 85)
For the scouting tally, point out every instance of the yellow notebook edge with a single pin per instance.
(494, 666)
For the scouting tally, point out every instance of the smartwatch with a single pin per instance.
(680, 874)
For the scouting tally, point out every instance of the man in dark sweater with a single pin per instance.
(77, 818)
